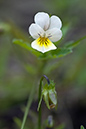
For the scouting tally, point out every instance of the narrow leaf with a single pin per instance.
(74, 44)
(26, 46)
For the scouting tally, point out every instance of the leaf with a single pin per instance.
(22, 44)
(60, 52)
(26, 45)
(72, 44)
(82, 127)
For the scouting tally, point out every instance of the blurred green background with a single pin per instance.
(19, 69)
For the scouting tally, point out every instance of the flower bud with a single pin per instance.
(49, 95)
(50, 122)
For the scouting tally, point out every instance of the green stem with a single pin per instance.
(30, 99)
(39, 115)
(40, 87)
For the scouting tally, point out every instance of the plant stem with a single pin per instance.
(39, 115)
(40, 87)
(30, 99)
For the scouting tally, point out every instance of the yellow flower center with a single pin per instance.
(43, 41)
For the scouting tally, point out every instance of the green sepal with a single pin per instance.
(46, 99)
(52, 96)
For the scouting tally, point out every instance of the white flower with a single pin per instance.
(45, 30)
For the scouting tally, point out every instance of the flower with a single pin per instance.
(49, 95)
(45, 30)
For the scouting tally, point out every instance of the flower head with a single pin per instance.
(45, 30)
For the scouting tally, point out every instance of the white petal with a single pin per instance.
(42, 48)
(42, 19)
(55, 22)
(35, 31)
(54, 34)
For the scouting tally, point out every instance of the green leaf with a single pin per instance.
(72, 44)
(82, 127)
(26, 45)
(22, 44)
(60, 52)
